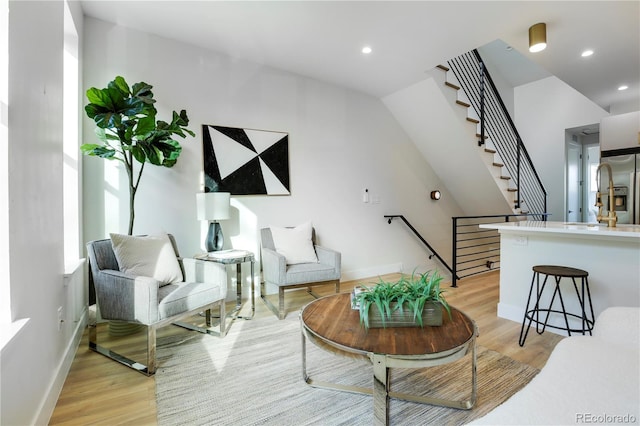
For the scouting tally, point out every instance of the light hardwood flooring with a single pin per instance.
(99, 391)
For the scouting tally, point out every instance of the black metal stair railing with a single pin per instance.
(421, 238)
(476, 250)
(477, 84)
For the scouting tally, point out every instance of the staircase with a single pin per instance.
(492, 160)
(439, 120)
(484, 131)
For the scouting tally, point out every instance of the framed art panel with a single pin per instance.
(245, 161)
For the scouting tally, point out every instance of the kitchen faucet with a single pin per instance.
(611, 218)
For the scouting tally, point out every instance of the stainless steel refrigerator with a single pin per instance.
(625, 167)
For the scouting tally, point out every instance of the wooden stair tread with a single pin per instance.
(485, 136)
(464, 104)
(453, 86)
(498, 164)
(505, 177)
(473, 120)
(442, 67)
(512, 189)
(490, 151)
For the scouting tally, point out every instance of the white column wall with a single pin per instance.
(543, 110)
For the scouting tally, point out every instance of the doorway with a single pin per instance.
(582, 154)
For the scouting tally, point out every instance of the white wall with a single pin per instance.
(33, 362)
(340, 142)
(543, 110)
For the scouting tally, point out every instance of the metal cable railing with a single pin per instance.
(477, 84)
(477, 250)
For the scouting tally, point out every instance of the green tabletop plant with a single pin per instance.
(412, 293)
(126, 125)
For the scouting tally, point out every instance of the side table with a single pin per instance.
(235, 257)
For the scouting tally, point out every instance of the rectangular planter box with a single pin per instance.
(431, 315)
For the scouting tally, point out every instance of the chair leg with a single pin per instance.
(151, 350)
(281, 312)
(115, 356)
(337, 286)
(223, 321)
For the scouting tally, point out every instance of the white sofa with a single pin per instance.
(587, 379)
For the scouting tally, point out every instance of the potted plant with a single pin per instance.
(126, 125)
(410, 301)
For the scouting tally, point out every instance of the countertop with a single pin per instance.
(592, 229)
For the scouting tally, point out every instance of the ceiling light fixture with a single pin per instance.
(623, 87)
(586, 53)
(537, 37)
(366, 50)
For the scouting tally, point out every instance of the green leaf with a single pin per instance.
(120, 84)
(99, 151)
(145, 125)
(138, 153)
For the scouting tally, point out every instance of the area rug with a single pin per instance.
(253, 376)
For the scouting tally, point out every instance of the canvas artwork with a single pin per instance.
(245, 161)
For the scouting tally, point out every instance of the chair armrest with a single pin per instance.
(126, 297)
(274, 266)
(203, 271)
(329, 257)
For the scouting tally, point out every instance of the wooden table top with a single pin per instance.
(332, 319)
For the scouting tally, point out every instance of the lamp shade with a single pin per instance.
(537, 37)
(213, 205)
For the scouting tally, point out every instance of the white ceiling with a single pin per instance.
(323, 39)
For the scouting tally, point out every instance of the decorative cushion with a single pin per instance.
(295, 244)
(150, 256)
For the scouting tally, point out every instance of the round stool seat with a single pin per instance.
(560, 271)
(535, 313)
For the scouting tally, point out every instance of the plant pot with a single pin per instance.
(431, 316)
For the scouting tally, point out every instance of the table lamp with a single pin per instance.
(213, 206)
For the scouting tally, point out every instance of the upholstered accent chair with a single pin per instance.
(284, 272)
(124, 296)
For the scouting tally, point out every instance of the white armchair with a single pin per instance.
(276, 271)
(144, 300)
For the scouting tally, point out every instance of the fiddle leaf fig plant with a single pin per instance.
(129, 132)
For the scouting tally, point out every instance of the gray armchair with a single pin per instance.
(145, 301)
(276, 272)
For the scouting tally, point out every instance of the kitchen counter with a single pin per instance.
(568, 228)
(611, 256)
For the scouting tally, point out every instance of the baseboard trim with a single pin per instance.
(50, 401)
(375, 271)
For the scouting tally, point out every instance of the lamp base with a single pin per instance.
(215, 239)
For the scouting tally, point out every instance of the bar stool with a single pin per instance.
(533, 314)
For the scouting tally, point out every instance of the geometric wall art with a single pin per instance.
(245, 161)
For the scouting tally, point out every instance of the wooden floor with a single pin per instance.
(99, 391)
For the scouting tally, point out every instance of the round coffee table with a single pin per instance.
(331, 324)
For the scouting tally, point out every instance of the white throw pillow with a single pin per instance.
(295, 243)
(151, 256)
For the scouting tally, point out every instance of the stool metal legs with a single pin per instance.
(533, 314)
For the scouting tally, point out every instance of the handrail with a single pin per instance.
(479, 87)
(417, 234)
(478, 251)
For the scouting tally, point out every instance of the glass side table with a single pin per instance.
(238, 258)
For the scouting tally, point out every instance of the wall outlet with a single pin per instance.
(60, 318)
(521, 240)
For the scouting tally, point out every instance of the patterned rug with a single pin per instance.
(254, 377)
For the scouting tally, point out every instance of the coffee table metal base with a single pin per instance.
(382, 364)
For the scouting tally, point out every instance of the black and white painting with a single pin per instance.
(245, 161)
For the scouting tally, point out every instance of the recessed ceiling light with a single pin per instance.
(366, 50)
(586, 53)
(623, 87)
